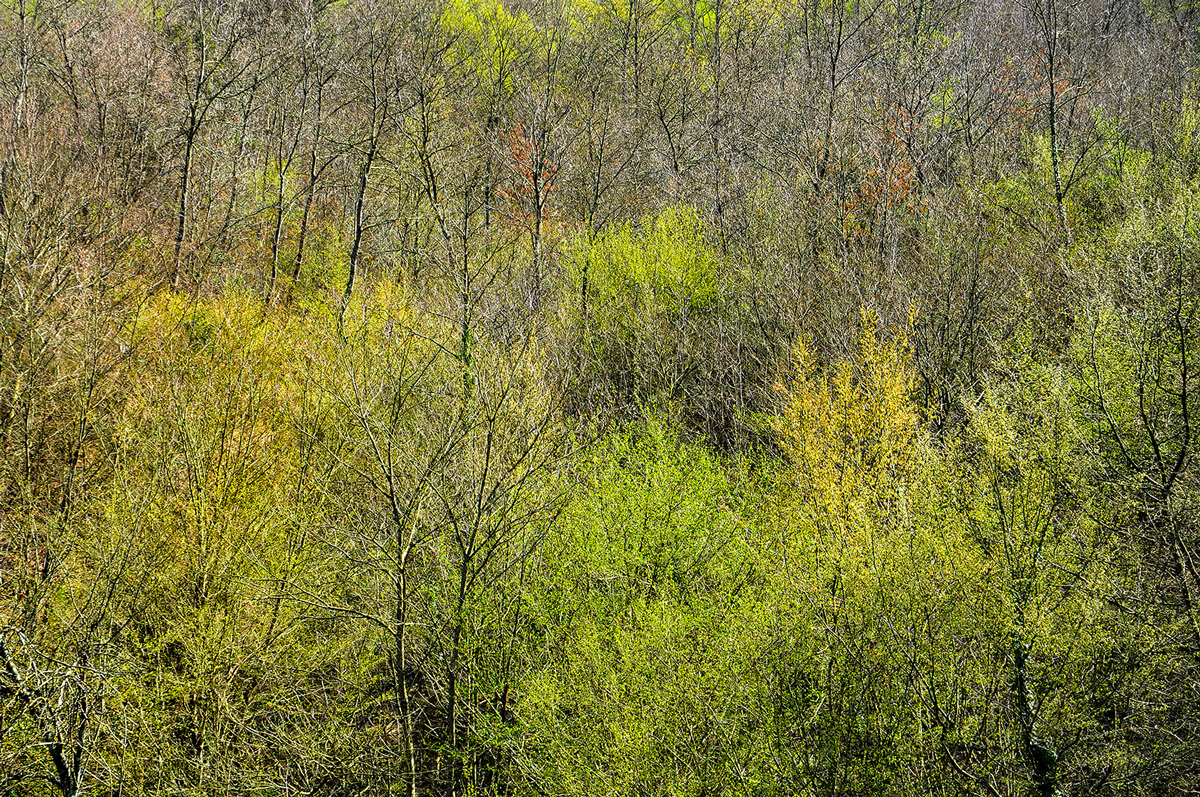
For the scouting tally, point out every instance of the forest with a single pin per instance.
(599, 397)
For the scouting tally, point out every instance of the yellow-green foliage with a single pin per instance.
(663, 261)
(693, 23)
(1134, 346)
(869, 507)
(1187, 133)
(646, 317)
(207, 418)
(1100, 185)
(1050, 560)
(878, 579)
(212, 482)
(656, 518)
(1113, 185)
(1025, 512)
(640, 599)
(489, 36)
(852, 435)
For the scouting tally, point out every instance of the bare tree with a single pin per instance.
(210, 47)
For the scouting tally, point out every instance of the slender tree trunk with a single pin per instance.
(359, 203)
(402, 672)
(1050, 38)
(308, 202)
(1041, 753)
(184, 189)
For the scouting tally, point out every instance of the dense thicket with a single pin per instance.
(633, 397)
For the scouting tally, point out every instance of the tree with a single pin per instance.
(61, 308)
(448, 481)
(209, 44)
(1135, 360)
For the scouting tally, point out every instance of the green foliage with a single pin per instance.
(649, 324)
(490, 37)
(212, 482)
(1133, 364)
(664, 266)
(1049, 564)
(878, 579)
(625, 463)
(1135, 343)
(657, 519)
(649, 629)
